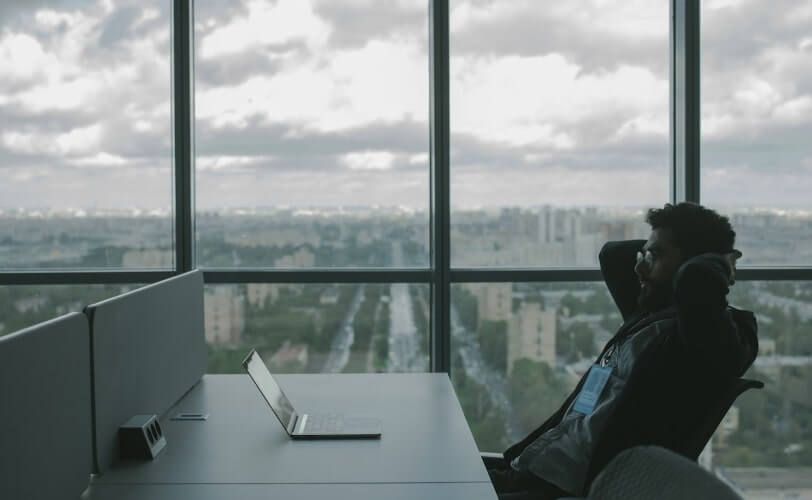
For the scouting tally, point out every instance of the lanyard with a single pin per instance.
(607, 356)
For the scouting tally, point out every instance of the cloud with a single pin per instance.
(311, 102)
(369, 160)
(128, 22)
(59, 186)
(545, 100)
(231, 164)
(232, 69)
(590, 34)
(13, 12)
(356, 22)
(99, 160)
(317, 150)
(265, 25)
(23, 57)
(76, 141)
(75, 96)
(382, 81)
(756, 83)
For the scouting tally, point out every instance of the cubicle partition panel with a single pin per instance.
(148, 349)
(45, 416)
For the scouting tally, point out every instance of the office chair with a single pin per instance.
(693, 445)
(654, 473)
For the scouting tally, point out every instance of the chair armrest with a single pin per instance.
(494, 460)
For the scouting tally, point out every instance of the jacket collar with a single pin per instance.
(641, 320)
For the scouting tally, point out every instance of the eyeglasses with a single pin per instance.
(646, 257)
(649, 257)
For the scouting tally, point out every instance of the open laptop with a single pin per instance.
(306, 425)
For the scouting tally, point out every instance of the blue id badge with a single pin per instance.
(592, 388)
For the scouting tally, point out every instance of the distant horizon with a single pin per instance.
(351, 209)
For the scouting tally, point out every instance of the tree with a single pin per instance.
(584, 339)
(571, 304)
(224, 359)
(487, 421)
(493, 343)
(536, 392)
(467, 307)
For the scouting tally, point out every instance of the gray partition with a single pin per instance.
(148, 350)
(45, 422)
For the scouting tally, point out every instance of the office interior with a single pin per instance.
(406, 187)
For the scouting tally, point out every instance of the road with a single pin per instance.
(477, 369)
(404, 351)
(344, 337)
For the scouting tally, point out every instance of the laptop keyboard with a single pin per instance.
(325, 423)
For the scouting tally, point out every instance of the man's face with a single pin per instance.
(656, 277)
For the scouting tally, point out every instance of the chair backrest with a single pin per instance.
(45, 427)
(149, 349)
(693, 445)
(646, 472)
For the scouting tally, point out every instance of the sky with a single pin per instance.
(326, 103)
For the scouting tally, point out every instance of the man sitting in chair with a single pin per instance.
(679, 347)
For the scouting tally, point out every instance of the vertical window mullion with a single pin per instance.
(439, 189)
(183, 130)
(685, 109)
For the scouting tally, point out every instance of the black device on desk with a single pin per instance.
(307, 425)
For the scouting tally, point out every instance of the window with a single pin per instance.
(559, 128)
(770, 427)
(312, 328)
(22, 306)
(85, 145)
(514, 362)
(756, 123)
(312, 134)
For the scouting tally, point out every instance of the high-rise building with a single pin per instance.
(495, 301)
(259, 293)
(531, 335)
(224, 317)
(546, 225)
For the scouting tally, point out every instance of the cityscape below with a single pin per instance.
(518, 349)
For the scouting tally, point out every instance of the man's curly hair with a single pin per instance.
(696, 229)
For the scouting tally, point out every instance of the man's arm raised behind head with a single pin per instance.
(725, 336)
(617, 259)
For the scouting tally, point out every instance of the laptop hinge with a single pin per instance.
(292, 423)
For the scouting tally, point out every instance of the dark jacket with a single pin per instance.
(679, 375)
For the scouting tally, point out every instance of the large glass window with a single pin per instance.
(85, 140)
(22, 306)
(559, 127)
(519, 349)
(299, 328)
(312, 133)
(763, 444)
(756, 123)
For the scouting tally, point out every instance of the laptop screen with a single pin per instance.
(269, 388)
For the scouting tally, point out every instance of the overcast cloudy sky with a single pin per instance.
(325, 102)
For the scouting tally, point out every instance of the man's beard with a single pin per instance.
(659, 296)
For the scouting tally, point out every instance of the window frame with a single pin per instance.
(684, 155)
